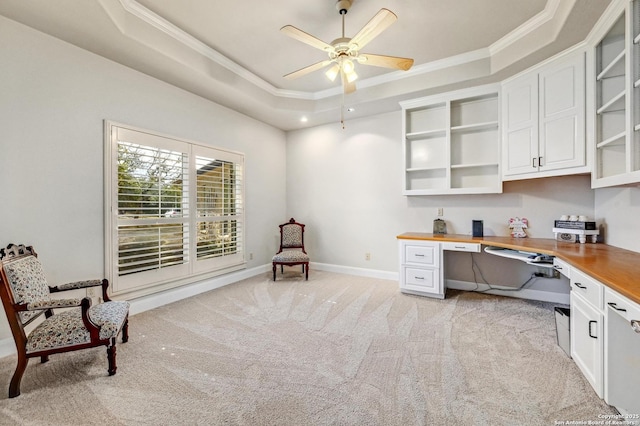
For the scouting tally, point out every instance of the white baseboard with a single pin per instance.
(349, 270)
(152, 301)
(545, 296)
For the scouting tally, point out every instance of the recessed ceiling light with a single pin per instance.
(351, 109)
(304, 119)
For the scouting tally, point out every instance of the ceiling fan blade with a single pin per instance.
(307, 70)
(300, 35)
(346, 86)
(394, 62)
(375, 26)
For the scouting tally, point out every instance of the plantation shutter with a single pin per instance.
(176, 209)
(219, 208)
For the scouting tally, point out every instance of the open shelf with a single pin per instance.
(426, 134)
(615, 68)
(614, 104)
(452, 143)
(474, 127)
(469, 166)
(612, 140)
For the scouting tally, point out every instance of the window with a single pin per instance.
(174, 210)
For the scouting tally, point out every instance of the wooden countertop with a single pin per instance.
(614, 267)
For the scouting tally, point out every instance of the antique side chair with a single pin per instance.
(292, 250)
(26, 296)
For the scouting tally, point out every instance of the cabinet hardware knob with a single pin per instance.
(419, 278)
(579, 285)
(590, 323)
(539, 161)
(419, 255)
(635, 324)
(614, 306)
(534, 163)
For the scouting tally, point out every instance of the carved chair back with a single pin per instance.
(22, 281)
(292, 235)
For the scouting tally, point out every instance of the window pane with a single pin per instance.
(218, 238)
(151, 186)
(217, 184)
(147, 247)
(218, 204)
(150, 181)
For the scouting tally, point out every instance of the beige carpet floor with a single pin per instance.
(336, 350)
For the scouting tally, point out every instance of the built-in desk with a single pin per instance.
(614, 267)
(605, 302)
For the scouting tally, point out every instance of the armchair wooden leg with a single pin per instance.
(44, 358)
(111, 355)
(14, 386)
(274, 271)
(306, 271)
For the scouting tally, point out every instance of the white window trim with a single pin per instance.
(191, 272)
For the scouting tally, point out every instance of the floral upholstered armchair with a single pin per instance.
(292, 250)
(26, 296)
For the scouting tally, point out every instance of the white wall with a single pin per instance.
(53, 100)
(346, 186)
(618, 210)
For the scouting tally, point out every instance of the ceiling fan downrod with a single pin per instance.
(343, 7)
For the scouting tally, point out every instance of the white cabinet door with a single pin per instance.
(520, 128)
(587, 342)
(622, 353)
(562, 114)
(543, 113)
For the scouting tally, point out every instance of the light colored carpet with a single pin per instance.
(336, 350)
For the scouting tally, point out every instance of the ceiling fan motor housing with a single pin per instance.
(343, 6)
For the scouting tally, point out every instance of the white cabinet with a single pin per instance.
(452, 143)
(614, 109)
(587, 327)
(420, 269)
(543, 120)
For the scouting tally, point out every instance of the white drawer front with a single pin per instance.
(621, 305)
(423, 255)
(587, 287)
(472, 247)
(562, 267)
(421, 279)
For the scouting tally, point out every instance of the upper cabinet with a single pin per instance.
(543, 113)
(614, 96)
(452, 143)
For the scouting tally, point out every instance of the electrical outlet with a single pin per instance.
(440, 211)
(367, 256)
(250, 256)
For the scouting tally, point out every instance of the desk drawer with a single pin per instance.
(587, 287)
(421, 279)
(472, 247)
(562, 267)
(421, 254)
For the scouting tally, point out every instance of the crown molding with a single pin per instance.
(547, 15)
(134, 9)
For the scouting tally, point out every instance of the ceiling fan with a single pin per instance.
(344, 51)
